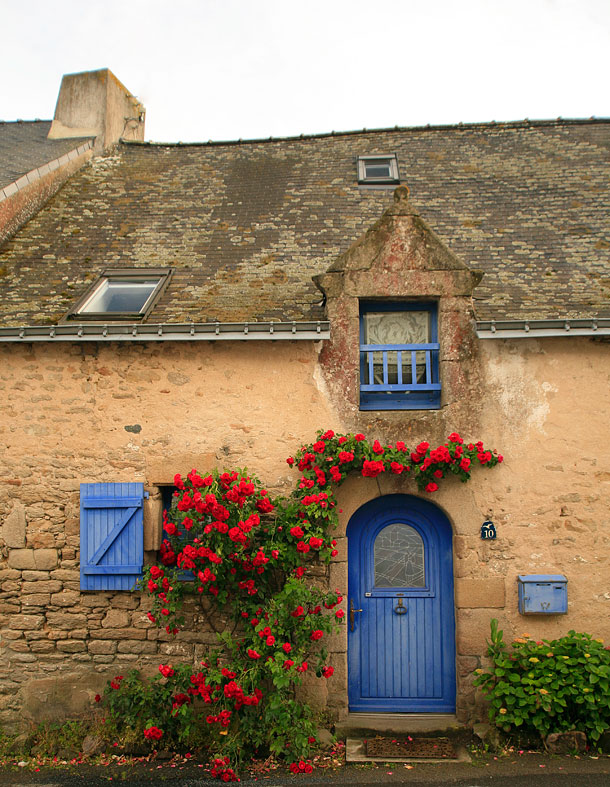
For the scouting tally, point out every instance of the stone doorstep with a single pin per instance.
(361, 724)
(355, 751)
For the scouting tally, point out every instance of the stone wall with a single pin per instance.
(87, 412)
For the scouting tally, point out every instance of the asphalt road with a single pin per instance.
(527, 771)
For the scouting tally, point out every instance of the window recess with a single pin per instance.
(399, 356)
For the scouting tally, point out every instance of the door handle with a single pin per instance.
(352, 611)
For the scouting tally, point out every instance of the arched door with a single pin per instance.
(401, 624)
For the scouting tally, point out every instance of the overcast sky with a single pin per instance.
(229, 69)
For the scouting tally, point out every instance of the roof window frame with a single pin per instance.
(124, 275)
(377, 180)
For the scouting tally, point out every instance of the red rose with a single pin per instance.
(290, 461)
(334, 553)
(98, 698)
(270, 640)
(377, 447)
(465, 463)
(339, 613)
(317, 634)
(422, 447)
(396, 467)
(253, 654)
(297, 532)
(166, 670)
(359, 437)
(372, 469)
(303, 547)
(288, 663)
(156, 572)
(455, 438)
(431, 487)
(286, 647)
(319, 446)
(298, 612)
(438, 473)
(328, 671)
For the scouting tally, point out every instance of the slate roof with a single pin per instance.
(246, 225)
(24, 147)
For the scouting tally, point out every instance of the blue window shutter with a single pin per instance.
(111, 535)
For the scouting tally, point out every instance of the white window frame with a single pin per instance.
(392, 160)
(128, 275)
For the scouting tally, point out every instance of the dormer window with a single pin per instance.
(122, 294)
(378, 170)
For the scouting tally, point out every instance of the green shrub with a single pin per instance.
(548, 686)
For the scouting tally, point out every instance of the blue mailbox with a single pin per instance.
(543, 594)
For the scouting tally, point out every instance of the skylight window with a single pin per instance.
(122, 294)
(378, 169)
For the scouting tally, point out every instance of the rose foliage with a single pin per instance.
(249, 555)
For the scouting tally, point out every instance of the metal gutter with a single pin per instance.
(169, 332)
(533, 329)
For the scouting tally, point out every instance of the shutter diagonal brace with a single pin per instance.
(112, 536)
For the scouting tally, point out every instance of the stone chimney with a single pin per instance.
(95, 103)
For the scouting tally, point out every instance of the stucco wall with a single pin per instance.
(73, 413)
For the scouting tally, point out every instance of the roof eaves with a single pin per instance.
(165, 332)
(533, 329)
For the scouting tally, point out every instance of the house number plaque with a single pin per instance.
(488, 530)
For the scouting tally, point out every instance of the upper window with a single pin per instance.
(122, 294)
(399, 356)
(378, 169)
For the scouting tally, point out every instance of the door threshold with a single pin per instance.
(397, 722)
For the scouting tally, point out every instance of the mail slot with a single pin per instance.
(543, 594)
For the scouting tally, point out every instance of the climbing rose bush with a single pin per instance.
(249, 556)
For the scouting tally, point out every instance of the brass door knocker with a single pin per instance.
(399, 609)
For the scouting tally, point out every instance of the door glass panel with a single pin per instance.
(399, 558)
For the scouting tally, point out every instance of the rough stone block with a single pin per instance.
(129, 646)
(66, 575)
(42, 646)
(27, 622)
(63, 695)
(67, 598)
(66, 620)
(36, 600)
(71, 646)
(101, 647)
(44, 586)
(45, 559)
(13, 528)
(473, 630)
(21, 559)
(115, 618)
(480, 593)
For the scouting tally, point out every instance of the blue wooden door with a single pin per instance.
(401, 629)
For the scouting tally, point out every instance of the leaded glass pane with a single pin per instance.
(399, 558)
